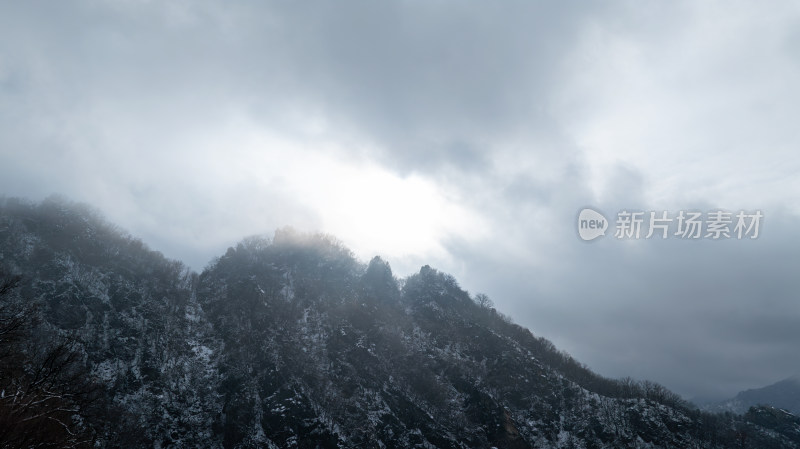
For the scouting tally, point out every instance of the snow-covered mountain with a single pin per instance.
(292, 342)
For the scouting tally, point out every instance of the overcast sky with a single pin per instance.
(458, 134)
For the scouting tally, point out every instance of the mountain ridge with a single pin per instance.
(292, 342)
(783, 394)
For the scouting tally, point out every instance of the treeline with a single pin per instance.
(549, 354)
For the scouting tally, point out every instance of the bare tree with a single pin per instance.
(483, 300)
(47, 398)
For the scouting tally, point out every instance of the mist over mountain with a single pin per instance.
(784, 394)
(291, 341)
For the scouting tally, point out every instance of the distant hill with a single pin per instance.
(784, 394)
(291, 342)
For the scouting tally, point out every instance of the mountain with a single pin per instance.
(784, 394)
(293, 342)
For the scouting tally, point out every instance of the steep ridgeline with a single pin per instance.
(292, 342)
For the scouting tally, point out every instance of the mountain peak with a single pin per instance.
(292, 342)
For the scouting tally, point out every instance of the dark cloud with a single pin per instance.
(423, 79)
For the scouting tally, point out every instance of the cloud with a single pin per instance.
(699, 98)
(455, 134)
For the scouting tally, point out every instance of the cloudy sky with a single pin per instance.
(458, 134)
